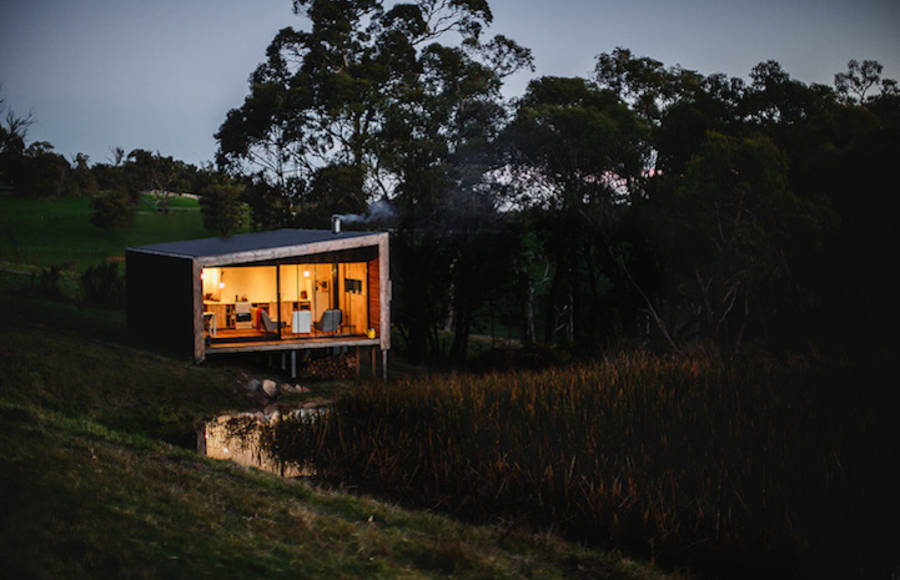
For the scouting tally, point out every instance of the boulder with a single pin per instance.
(254, 385)
(270, 388)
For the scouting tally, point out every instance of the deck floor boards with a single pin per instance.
(259, 344)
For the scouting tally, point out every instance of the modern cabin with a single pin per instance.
(286, 290)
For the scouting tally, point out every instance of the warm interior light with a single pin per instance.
(221, 284)
(306, 273)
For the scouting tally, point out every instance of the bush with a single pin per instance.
(46, 283)
(102, 286)
(112, 210)
(223, 210)
(696, 462)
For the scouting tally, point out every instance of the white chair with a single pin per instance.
(301, 321)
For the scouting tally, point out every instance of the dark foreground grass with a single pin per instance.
(90, 486)
(59, 357)
(82, 501)
(761, 468)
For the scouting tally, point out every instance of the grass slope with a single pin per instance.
(81, 500)
(47, 232)
(89, 487)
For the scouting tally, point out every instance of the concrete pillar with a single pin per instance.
(293, 364)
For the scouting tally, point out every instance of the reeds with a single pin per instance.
(687, 459)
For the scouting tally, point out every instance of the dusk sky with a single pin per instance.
(162, 75)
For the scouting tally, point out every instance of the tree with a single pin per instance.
(43, 173)
(734, 221)
(81, 180)
(369, 104)
(15, 130)
(223, 210)
(154, 172)
(641, 82)
(117, 155)
(333, 96)
(577, 154)
(853, 84)
(112, 210)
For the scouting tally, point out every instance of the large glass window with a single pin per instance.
(288, 301)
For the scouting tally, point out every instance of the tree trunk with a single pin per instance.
(569, 320)
(528, 306)
(462, 325)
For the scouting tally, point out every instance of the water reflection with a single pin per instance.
(236, 436)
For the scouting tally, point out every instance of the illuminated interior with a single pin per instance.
(287, 301)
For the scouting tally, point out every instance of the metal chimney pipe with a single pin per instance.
(335, 224)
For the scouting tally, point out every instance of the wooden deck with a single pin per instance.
(244, 343)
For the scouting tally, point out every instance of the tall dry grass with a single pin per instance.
(687, 459)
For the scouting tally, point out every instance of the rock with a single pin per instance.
(253, 385)
(299, 389)
(286, 389)
(270, 388)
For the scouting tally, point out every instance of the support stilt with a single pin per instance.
(293, 364)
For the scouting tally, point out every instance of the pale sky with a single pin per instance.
(161, 75)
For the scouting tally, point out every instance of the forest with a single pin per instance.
(642, 204)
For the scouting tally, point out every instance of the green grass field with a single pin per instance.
(58, 232)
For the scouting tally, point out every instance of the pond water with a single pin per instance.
(236, 437)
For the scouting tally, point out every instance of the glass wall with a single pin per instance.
(309, 300)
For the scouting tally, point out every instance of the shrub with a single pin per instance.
(102, 285)
(223, 210)
(46, 283)
(688, 459)
(112, 210)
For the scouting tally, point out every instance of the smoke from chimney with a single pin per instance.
(379, 211)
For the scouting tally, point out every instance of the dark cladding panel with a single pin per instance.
(160, 300)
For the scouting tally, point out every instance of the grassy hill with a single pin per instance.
(58, 232)
(98, 478)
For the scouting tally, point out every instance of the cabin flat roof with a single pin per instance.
(240, 243)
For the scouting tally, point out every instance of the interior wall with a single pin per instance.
(256, 283)
(322, 293)
(354, 304)
(296, 279)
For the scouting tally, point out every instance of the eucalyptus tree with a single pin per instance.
(326, 96)
(576, 151)
(853, 85)
(370, 102)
